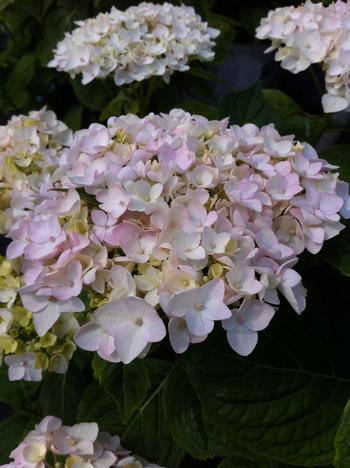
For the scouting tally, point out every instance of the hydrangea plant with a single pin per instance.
(174, 266)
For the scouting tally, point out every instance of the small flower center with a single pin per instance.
(240, 320)
(198, 307)
(139, 321)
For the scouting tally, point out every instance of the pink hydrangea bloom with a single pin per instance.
(81, 445)
(173, 218)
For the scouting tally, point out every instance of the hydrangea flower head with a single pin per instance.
(190, 222)
(81, 445)
(313, 33)
(132, 45)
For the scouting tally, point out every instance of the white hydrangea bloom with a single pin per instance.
(314, 33)
(143, 41)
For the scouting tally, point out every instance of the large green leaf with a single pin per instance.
(337, 252)
(121, 104)
(342, 441)
(95, 95)
(129, 403)
(127, 385)
(248, 106)
(291, 119)
(5, 3)
(243, 458)
(60, 394)
(19, 394)
(148, 433)
(284, 401)
(96, 405)
(18, 80)
(281, 102)
(184, 414)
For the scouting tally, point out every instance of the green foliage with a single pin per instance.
(19, 394)
(265, 106)
(282, 406)
(60, 394)
(337, 252)
(248, 105)
(342, 441)
(340, 156)
(130, 404)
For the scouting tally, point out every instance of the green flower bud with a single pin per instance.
(8, 344)
(41, 361)
(48, 340)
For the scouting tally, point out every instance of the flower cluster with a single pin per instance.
(29, 145)
(78, 446)
(26, 354)
(313, 33)
(143, 41)
(174, 218)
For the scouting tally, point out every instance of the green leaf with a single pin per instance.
(337, 252)
(306, 127)
(121, 104)
(204, 74)
(5, 3)
(184, 414)
(237, 461)
(285, 401)
(148, 433)
(281, 102)
(90, 199)
(96, 405)
(340, 156)
(290, 416)
(248, 106)
(73, 117)
(12, 431)
(95, 95)
(19, 394)
(342, 441)
(195, 107)
(19, 78)
(60, 394)
(127, 385)
(227, 27)
(242, 457)
(129, 403)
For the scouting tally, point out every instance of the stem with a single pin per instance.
(153, 83)
(145, 97)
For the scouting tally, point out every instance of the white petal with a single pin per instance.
(242, 340)
(129, 342)
(178, 336)
(46, 318)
